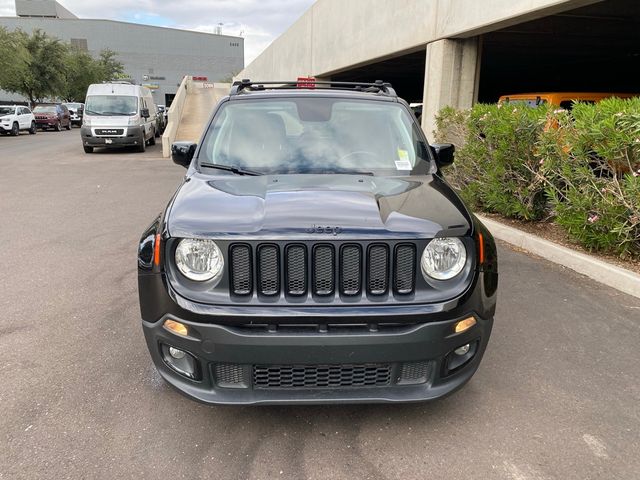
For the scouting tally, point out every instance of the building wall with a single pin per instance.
(337, 35)
(334, 35)
(146, 50)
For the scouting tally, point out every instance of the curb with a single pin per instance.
(603, 272)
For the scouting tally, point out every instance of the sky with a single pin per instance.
(258, 21)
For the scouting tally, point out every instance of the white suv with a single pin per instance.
(14, 118)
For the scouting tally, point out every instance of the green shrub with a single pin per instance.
(581, 168)
(496, 166)
(591, 167)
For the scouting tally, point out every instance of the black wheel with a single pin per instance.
(15, 129)
(58, 127)
(143, 143)
(88, 149)
(68, 127)
(152, 140)
(33, 129)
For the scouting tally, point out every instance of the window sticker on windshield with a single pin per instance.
(403, 163)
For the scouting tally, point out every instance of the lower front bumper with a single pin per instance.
(134, 137)
(245, 351)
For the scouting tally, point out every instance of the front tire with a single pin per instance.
(15, 129)
(88, 149)
(68, 127)
(33, 129)
(152, 140)
(58, 127)
(143, 144)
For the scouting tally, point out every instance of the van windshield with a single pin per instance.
(111, 105)
(316, 135)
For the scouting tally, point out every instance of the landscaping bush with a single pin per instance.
(591, 164)
(496, 167)
(579, 168)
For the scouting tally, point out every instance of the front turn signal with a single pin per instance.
(464, 325)
(176, 327)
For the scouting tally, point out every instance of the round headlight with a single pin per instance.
(199, 260)
(443, 258)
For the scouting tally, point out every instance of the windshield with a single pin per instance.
(6, 110)
(111, 105)
(45, 109)
(74, 106)
(316, 135)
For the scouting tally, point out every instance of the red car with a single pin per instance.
(53, 116)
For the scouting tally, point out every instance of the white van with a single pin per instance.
(118, 114)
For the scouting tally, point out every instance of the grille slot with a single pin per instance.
(231, 375)
(241, 269)
(415, 373)
(321, 376)
(268, 270)
(404, 278)
(323, 270)
(296, 264)
(351, 273)
(378, 273)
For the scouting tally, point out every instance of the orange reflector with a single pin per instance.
(156, 250)
(176, 327)
(480, 248)
(464, 325)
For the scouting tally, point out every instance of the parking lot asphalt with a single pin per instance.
(556, 397)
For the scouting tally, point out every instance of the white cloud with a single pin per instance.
(260, 20)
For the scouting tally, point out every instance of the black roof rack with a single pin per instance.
(379, 86)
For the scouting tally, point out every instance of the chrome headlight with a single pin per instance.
(199, 260)
(443, 258)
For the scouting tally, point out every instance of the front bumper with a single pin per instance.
(5, 127)
(247, 341)
(133, 137)
(232, 361)
(49, 122)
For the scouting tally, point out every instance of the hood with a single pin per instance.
(290, 206)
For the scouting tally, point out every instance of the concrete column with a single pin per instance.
(451, 78)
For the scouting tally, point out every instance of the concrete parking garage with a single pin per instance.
(455, 53)
(556, 396)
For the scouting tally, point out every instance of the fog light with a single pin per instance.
(458, 351)
(178, 354)
(182, 362)
(176, 327)
(464, 325)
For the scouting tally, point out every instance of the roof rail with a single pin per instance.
(379, 86)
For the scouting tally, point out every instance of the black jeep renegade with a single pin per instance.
(315, 254)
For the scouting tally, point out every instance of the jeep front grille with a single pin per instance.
(321, 376)
(322, 269)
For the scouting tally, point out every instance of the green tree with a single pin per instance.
(44, 73)
(111, 68)
(13, 58)
(82, 70)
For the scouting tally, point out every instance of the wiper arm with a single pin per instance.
(231, 168)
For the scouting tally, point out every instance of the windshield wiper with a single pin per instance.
(231, 168)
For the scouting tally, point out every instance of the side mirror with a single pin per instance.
(443, 153)
(144, 112)
(182, 153)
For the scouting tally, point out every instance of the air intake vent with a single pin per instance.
(268, 270)
(296, 265)
(241, 269)
(351, 261)
(378, 273)
(404, 280)
(323, 263)
(321, 376)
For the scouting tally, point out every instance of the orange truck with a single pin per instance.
(562, 99)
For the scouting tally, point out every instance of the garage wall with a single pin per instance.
(334, 35)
